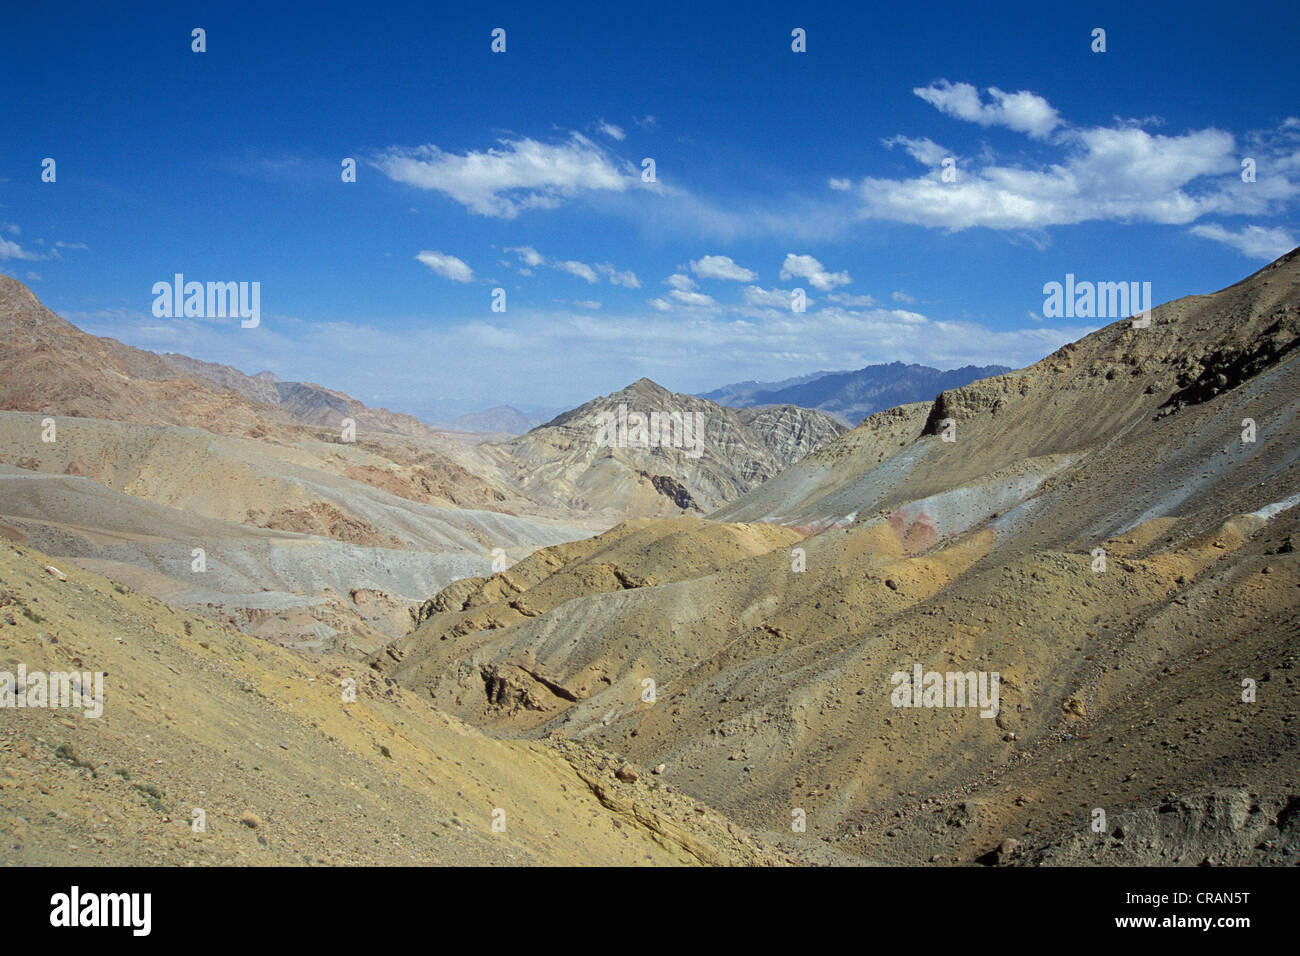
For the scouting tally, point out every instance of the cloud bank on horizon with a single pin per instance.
(545, 240)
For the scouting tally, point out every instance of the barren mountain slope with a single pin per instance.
(1110, 401)
(374, 525)
(298, 588)
(637, 554)
(284, 769)
(51, 367)
(135, 500)
(1120, 670)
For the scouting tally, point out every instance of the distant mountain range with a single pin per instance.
(852, 396)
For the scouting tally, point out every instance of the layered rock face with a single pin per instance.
(647, 451)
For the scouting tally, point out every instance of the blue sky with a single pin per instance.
(522, 170)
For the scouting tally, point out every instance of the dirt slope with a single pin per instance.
(286, 772)
(134, 501)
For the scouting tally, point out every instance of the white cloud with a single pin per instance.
(843, 185)
(527, 254)
(612, 131)
(1109, 174)
(903, 297)
(579, 269)
(625, 278)
(448, 266)
(517, 175)
(693, 298)
(11, 250)
(681, 281)
(1023, 112)
(619, 277)
(722, 267)
(588, 303)
(1118, 173)
(806, 267)
(856, 301)
(779, 299)
(924, 151)
(1256, 242)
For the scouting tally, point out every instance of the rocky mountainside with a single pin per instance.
(307, 402)
(52, 367)
(49, 365)
(852, 396)
(688, 456)
(257, 388)
(215, 748)
(1106, 537)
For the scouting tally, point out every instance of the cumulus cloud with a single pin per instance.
(1109, 174)
(517, 175)
(779, 299)
(1023, 112)
(722, 267)
(903, 297)
(1256, 242)
(806, 267)
(447, 266)
(1117, 173)
(681, 282)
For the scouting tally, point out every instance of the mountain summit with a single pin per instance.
(644, 450)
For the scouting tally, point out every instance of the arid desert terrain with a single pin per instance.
(336, 634)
